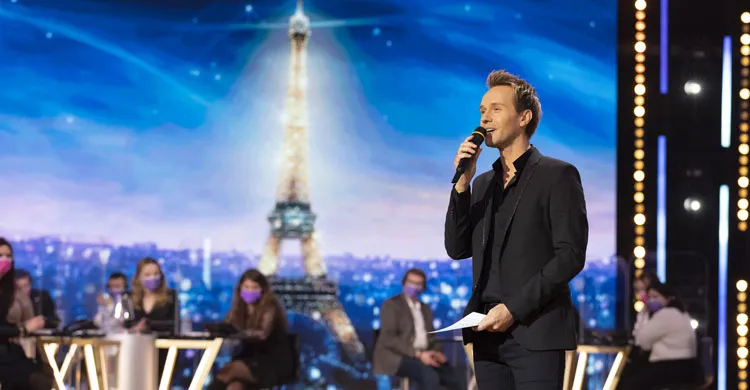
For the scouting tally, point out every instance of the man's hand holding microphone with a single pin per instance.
(466, 159)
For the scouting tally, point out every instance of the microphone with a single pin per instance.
(477, 138)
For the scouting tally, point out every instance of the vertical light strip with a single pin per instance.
(639, 112)
(743, 148)
(661, 209)
(664, 48)
(726, 94)
(742, 318)
(721, 374)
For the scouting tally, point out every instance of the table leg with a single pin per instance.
(616, 371)
(580, 373)
(166, 375)
(204, 367)
(59, 372)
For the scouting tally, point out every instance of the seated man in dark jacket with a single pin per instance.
(404, 347)
(40, 299)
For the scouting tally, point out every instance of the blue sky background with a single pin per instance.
(132, 121)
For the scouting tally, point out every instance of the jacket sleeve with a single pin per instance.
(570, 230)
(389, 331)
(458, 225)
(432, 343)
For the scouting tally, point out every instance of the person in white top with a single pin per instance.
(404, 347)
(671, 341)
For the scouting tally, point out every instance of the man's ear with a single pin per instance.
(526, 117)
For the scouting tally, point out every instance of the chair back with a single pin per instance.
(706, 359)
(296, 350)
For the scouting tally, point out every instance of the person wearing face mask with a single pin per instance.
(117, 286)
(671, 341)
(641, 285)
(405, 348)
(17, 372)
(264, 359)
(154, 304)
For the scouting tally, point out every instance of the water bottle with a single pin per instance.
(186, 325)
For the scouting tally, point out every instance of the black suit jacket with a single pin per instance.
(44, 306)
(540, 248)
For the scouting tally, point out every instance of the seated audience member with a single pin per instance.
(17, 372)
(41, 300)
(404, 348)
(671, 341)
(265, 357)
(117, 285)
(153, 303)
(641, 285)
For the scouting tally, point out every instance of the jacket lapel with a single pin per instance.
(526, 174)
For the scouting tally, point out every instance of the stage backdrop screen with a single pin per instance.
(174, 129)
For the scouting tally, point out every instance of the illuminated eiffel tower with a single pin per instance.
(292, 218)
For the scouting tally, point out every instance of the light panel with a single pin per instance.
(640, 8)
(743, 147)
(742, 323)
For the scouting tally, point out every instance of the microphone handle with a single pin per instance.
(459, 171)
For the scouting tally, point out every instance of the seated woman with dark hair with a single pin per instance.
(671, 341)
(265, 358)
(17, 372)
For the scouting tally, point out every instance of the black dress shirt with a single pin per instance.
(503, 198)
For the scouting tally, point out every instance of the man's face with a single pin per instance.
(24, 285)
(116, 284)
(500, 118)
(414, 280)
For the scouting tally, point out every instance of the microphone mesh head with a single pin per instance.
(481, 130)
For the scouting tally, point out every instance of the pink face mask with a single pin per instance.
(5, 265)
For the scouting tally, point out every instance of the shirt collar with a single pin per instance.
(519, 163)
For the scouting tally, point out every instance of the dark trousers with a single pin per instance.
(428, 377)
(501, 363)
(662, 374)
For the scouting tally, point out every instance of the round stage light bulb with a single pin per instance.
(640, 5)
(743, 203)
(742, 319)
(742, 215)
(742, 352)
(745, 39)
(692, 205)
(639, 175)
(743, 148)
(745, 17)
(639, 111)
(743, 182)
(639, 251)
(742, 330)
(693, 88)
(742, 285)
(639, 89)
(640, 47)
(638, 306)
(744, 93)
(638, 197)
(639, 219)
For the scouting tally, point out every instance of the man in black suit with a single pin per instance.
(41, 299)
(524, 225)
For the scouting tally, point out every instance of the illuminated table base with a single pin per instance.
(93, 354)
(575, 365)
(210, 350)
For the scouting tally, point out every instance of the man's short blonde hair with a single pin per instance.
(525, 99)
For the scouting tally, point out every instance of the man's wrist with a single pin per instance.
(461, 188)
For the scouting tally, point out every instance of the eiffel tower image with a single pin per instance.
(292, 217)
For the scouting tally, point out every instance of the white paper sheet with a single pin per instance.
(471, 320)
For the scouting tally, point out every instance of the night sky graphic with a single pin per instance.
(133, 127)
